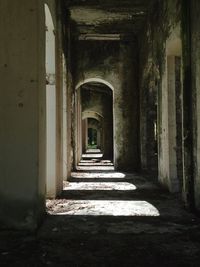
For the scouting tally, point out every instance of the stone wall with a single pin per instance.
(155, 119)
(194, 104)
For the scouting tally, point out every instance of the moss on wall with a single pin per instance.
(162, 17)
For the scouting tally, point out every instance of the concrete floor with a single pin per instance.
(108, 218)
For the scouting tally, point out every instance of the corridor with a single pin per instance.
(107, 218)
(95, 189)
(100, 133)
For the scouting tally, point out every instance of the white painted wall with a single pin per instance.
(50, 107)
(167, 160)
(22, 113)
(65, 121)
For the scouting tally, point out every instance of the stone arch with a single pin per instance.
(92, 114)
(97, 80)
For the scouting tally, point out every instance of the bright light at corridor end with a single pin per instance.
(107, 208)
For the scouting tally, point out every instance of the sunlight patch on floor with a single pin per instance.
(95, 161)
(103, 186)
(95, 168)
(98, 175)
(95, 164)
(92, 155)
(106, 208)
(93, 150)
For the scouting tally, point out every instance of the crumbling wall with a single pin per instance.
(22, 113)
(162, 19)
(152, 67)
(194, 104)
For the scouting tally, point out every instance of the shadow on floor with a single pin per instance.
(108, 219)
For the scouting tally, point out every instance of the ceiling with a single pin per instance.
(97, 88)
(108, 16)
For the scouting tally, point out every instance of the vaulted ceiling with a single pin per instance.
(108, 16)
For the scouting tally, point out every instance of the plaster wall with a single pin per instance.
(22, 113)
(60, 104)
(65, 121)
(56, 91)
(195, 59)
(158, 48)
(167, 155)
(51, 171)
(69, 112)
(77, 128)
(163, 159)
(53, 10)
(168, 146)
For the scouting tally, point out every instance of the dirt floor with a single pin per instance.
(108, 219)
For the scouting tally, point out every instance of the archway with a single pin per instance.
(94, 100)
(92, 138)
(95, 80)
(91, 119)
